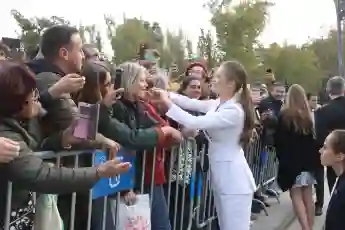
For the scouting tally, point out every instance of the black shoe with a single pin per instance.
(263, 199)
(318, 211)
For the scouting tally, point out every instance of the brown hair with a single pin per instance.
(296, 110)
(185, 83)
(236, 72)
(338, 141)
(95, 73)
(16, 83)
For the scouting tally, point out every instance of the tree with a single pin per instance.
(326, 49)
(293, 65)
(238, 29)
(32, 28)
(208, 49)
(94, 36)
(189, 47)
(126, 38)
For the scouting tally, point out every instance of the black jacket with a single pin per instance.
(336, 208)
(60, 112)
(269, 124)
(329, 117)
(270, 103)
(296, 152)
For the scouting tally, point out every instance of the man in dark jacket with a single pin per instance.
(269, 109)
(274, 101)
(56, 74)
(330, 117)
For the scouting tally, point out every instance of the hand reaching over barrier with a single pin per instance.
(172, 133)
(112, 168)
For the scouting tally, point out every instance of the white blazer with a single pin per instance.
(222, 124)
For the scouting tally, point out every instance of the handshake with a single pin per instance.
(177, 135)
(172, 133)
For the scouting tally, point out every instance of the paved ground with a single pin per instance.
(319, 221)
(280, 215)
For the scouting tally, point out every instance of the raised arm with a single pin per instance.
(138, 139)
(192, 104)
(229, 116)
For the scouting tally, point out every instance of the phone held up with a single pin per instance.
(118, 80)
(87, 123)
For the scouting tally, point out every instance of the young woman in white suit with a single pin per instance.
(228, 125)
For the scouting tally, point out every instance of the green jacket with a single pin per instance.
(136, 117)
(29, 172)
(118, 129)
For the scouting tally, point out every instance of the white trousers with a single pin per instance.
(233, 211)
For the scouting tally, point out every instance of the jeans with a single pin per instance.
(159, 209)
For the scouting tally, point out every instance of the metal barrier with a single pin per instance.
(264, 165)
(188, 193)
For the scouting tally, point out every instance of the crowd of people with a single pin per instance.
(38, 112)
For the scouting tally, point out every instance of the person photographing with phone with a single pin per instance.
(269, 110)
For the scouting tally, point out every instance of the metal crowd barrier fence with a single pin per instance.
(187, 190)
(264, 165)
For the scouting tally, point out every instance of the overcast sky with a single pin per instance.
(291, 21)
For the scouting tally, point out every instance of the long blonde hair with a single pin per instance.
(296, 111)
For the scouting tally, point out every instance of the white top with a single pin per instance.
(223, 125)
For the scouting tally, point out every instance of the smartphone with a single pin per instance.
(118, 78)
(87, 123)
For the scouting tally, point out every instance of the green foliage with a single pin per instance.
(126, 38)
(208, 49)
(31, 30)
(294, 65)
(237, 31)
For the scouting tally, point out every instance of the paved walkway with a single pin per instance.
(281, 216)
(319, 221)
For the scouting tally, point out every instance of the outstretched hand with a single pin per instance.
(112, 96)
(160, 95)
